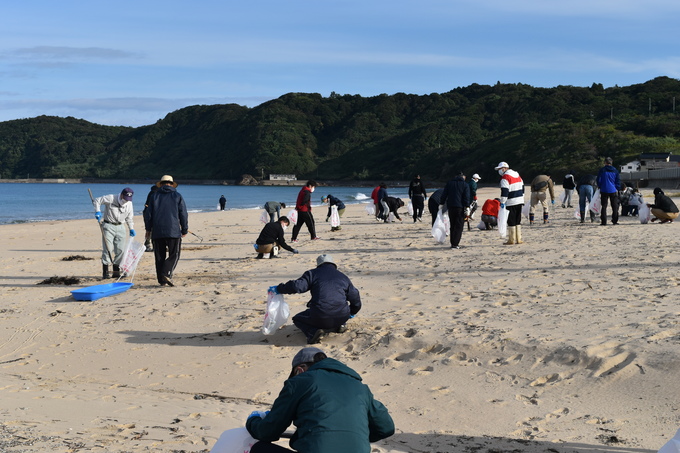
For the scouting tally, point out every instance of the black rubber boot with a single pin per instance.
(105, 271)
(116, 271)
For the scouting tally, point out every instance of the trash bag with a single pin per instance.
(562, 196)
(234, 440)
(409, 209)
(526, 210)
(596, 202)
(335, 217)
(292, 216)
(503, 222)
(577, 211)
(370, 209)
(264, 218)
(481, 225)
(439, 229)
(644, 213)
(276, 314)
(133, 253)
(672, 446)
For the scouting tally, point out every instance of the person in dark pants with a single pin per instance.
(456, 197)
(332, 410)
(166, 222)
(512, 199)
(433, 204)
(223, 203)
(609, 183)
(334, 299)
(303, 206)
(417, 194)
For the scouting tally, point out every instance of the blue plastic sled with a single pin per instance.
(99, 291)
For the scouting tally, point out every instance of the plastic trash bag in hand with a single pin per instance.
(276, 314)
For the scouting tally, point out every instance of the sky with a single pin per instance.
(130, 63)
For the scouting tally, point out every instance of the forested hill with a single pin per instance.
(536, 130)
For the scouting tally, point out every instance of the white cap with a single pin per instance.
(502, 165)
(325, 258)
(476, 176)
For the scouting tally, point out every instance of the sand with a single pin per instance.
(567, 343)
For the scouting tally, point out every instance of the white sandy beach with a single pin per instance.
(566, 343)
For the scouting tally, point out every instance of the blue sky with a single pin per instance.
(131, 63)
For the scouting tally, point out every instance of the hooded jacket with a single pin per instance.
(456, 194)
(608, 179)
(330, 290)
(304, 200)
(333, 411)
(663, 202)
(273, 233)
(166, 215)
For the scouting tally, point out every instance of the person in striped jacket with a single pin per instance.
(512, 199)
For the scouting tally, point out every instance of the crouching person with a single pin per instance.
(271, 239)
(331, 408)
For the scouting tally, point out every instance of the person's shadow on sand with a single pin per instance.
(286, 336)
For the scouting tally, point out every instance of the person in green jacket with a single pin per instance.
(334, 412)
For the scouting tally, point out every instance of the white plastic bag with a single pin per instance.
(562, 196)
(264, 218)
(409, 209)
(481, 225)
(526, 210)
(292, 216)
(439, 228)
(577, 211)
(133, 253)
(276, 314)
(237, 440)
(335, 217)
(644, 213)
(503, 222)
(596, 202)
(672, 446)
(370, 209)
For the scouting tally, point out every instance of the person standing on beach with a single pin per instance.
(569, 184)
(166, 221)
(456, 197)
(333, 411)
(417, 194)
(303, 206)
(223, 203)
(609, 183)
(512, 199)
(334, 299)
(274, 207)
(271, 237)
(118, 212)
(384, 209)
(340, 206)
(586, 187)
(540, 187)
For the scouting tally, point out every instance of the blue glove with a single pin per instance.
(295, 251)
(132, 233)
(272, 289)
(259, 414)
(553, 202)
(98, 216)
(502, 205)
(351, 316)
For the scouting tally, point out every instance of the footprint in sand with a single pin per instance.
(422, 371)
(543, 380)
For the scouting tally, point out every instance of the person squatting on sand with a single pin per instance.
(333, 411)
(274, 207)
(166, 221)
(334, 299)
(490, 213)
(333, 201)
(271, 239)
(118, 212)
(664, 208)
(303, 206)
(512, 199)
(609, 183)
(417, 195)
(540, 185)
(456, 197)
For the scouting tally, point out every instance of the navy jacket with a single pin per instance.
(333, 411)
(456, 193)
(330, 289)
(166, 214)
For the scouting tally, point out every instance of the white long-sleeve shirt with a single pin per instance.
(115, 212)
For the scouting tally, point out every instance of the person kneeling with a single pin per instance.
(271, 239)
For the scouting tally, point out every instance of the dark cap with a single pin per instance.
(305, 355)
(127, 193)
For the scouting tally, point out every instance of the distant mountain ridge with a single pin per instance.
(536, 130)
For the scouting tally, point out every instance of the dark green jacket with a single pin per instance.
(333, 411)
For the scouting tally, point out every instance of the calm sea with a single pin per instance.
(25, 202)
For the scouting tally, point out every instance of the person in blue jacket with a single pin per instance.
(166, 222)
(334, 299)
(333, 411)
(609, 183)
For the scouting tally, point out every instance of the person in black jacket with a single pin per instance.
(433, 204)
(417, 195)
(456, 197)
(393, 204)
(334, 299)
(664, 208)
(271, 238)
(334, 201)
(166, 222)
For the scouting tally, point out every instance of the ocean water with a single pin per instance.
(27, 202)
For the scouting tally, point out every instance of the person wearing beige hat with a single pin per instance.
(166, 222)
